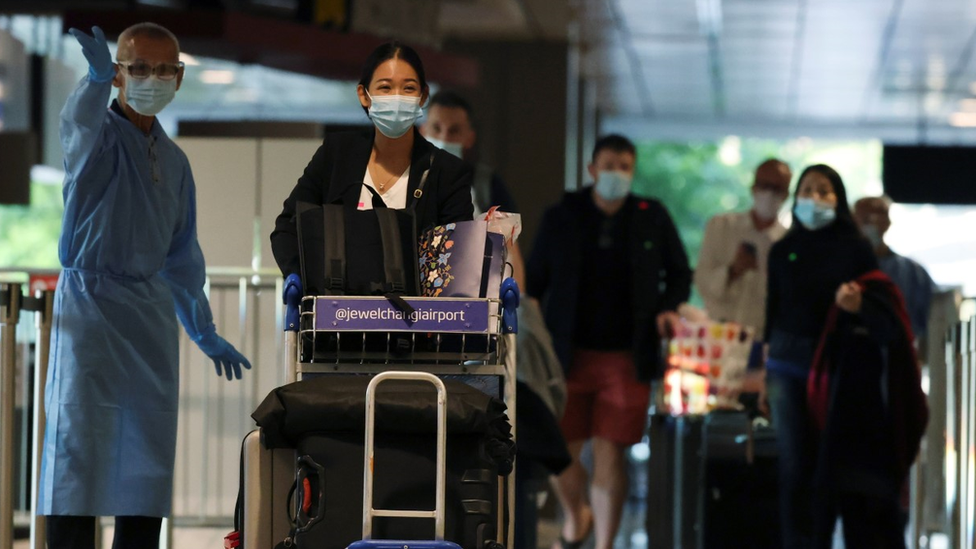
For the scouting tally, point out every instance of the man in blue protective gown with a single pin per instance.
(132, 265)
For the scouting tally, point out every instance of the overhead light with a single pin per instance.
(188, 60)
(212, 76)
(963, 119)
(709, 17)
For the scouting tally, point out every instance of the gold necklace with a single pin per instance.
(382, 186)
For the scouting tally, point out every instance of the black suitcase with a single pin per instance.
(712, 483)
(674, 482)
(323, 419)
(741, 503)
(404, 479)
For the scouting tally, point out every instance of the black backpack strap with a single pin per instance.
(392, 252)
(420, 188)
(396, 282)
(335, 248)
(301, 208)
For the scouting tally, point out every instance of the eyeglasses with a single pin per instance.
(141, 70)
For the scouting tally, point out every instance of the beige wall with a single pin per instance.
(241, 184)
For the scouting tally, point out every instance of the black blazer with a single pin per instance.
(657, 258)
(335, 176)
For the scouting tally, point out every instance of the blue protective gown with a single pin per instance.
(132, 263)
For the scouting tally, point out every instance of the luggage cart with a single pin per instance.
(472, 340)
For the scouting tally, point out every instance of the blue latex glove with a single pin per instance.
(101, 68)
(224, 355)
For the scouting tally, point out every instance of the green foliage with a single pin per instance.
(29, 234)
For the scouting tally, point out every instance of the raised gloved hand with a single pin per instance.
(226, 358)
(101, 68)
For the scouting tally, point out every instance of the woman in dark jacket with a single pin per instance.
(388, 162)
(810, 269)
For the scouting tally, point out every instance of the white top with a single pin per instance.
(395, 197)
(744, 300)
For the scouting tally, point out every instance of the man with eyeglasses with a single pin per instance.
(131, 266)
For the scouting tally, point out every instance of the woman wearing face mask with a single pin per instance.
(810, 269)
(386, 162)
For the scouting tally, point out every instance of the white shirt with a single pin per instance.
(743, 300)
(395, 197)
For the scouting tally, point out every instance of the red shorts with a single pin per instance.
(604, 398)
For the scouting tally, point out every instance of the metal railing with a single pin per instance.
(214, 413)
(960, 439)
(18, 493)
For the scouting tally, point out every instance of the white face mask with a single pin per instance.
(149, 96)
(766, 204)
(454, 148)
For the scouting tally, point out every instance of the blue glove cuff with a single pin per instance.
(101, 79)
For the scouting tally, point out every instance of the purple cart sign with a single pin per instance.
(379, 315)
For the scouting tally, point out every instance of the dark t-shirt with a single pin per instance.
(604, 318)
(805, 270)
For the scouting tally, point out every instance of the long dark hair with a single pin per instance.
(387, 51)
(844, 221)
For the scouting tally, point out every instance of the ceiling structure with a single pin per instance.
(901, 70)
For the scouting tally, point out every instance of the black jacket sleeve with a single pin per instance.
(677, 272)
(284, 239)
(454, 191)
(538, 268)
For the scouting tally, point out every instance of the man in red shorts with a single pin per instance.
(610, 271)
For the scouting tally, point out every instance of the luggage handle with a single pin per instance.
(441, 470)
(301, 516)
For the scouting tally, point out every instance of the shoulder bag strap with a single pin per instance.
(420, 188)
(335, 248)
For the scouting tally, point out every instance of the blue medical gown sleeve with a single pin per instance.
(82, 122)
(185, 270)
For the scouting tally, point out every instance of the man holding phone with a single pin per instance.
(731, 271)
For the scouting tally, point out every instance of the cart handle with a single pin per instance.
(441, 461)
(292, 297)
(510, 303)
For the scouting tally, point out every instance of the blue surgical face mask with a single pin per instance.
(814, 214)
(613, 185)
(394, 115)
(149, 96)
(454, 148)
